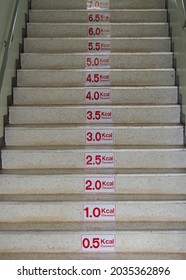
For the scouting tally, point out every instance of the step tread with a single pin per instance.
(111, 30)
(157, 241)
(150, 184)
(57, 114)
(76, 135)
(60, 45)
(116, 77)
(49, 211)
(76, 95)
(81, 15)
(115, 60)
(83, 4)
(79, 157)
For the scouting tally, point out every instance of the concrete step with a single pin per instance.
(50, 183)
(125, 241)
(92, 256)
(71, 45)
(76, 78)
(94, 134)
(62, 212)
(92, 157)
(117, 16)
(82, 4)
(157, 114)
(57, 30)
(101, 61)
(112, 95)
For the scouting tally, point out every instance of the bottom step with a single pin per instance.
(147, 242)
(96, 256)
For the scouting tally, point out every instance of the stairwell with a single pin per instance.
(94, 165)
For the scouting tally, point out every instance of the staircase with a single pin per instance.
(94, 165)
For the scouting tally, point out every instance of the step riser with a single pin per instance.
(81, 30)
(138, 61)
(75, 115)
(157, 184)
(126, 241)
(93, 256)
(70, 78)
(122, 95)
(73, 159)
(61, 212)
(82, 4)
(60, 45)
(37, 16)
(80, 136)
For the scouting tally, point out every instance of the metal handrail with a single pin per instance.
(8, 42)
(182, 8)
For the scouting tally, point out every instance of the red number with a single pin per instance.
(98, 159)
(98, 46)
(96, 95)
(92, 4)
(96, 212)
(89, 160)
(97, 17)
(89, 79)
(97, 4)
(95, 243)
(96, 61)
(94, 17)
(89, 136)
(86, 243)
(89, 61)
(89, 115)
(96, 78)
(98, 136)
(91, 31)
(86, 212)
(98, 185)
(98, 31)
(97, 115)
(88, 96)
(90, 46)
(88, 184)
(90, 17)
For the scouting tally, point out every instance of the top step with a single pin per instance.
(82, 4)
